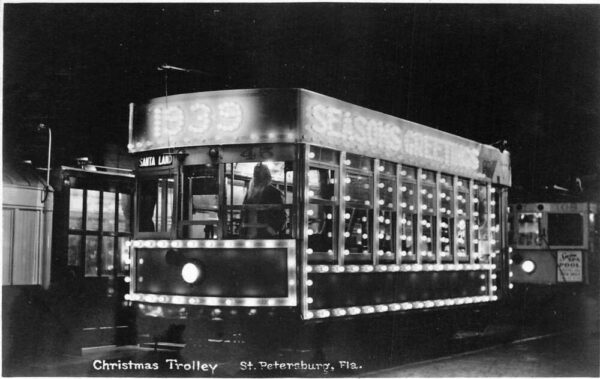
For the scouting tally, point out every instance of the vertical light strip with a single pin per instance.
(375, 218)
(454, 205)
(399, 213)
(438, 219)
(471, 222)
(488, 209)
(419, 198)
(341, 208)
(302, 206)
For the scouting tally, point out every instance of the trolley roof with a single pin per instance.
(301, 116)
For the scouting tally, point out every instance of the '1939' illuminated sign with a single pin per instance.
(195, 118)
(156, 161)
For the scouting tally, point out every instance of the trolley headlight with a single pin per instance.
(528, 266)
(191, 273)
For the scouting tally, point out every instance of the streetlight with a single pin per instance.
(41, 127)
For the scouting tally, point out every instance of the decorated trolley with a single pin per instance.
(376, 215)
(554, 244)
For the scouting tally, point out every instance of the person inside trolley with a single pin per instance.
(263, 215)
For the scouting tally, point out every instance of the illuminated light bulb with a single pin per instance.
(494, 276)
(381, 308)
(510, 274)
(330, 252)
(394, 268)
(310, 232)
(411, 208)
(311, 193)
(424, 207)
(428, 304)
(423, 176)
(403, 188)
(329, 234)
(403, 205)
(418, 304)
(382, 268)
(249, 243)
(367, 202)
(381, 236)
(309, 268)
(483, 288)
(339, 312)
(482, 276)
(346, 252)
(309, 300)
(493, 190)
(311, 155)
(381, 168)
(406, 306)
(354, 310)
(368, 309)
(510, 261)
(387, 221)
(366, 268)
(439, 303)
(381, 185)
(309, 315)
(381, 202)
(511, 286)
(127, 279)
(310, 212)
(494, 288)
(347, 180)
(449, 302)
(403, 173)
(347, 198)
(346, 234)
(380, 252)
(309, 251)
(347, 162)
(395, 307)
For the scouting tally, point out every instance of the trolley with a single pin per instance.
(376, 215)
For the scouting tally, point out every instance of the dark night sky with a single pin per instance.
(526, 73)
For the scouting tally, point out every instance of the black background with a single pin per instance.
(525, 73)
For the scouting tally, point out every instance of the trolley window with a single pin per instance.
(259, 199)
(322, 205)
(408, 219)
(565, 229)
(386, 190)
(462, 220)
(201, 210)
(480, 220)
(446, 214)
(155, 208)
(428, 216)
(528, 229)
(358, 210)
(99, 226)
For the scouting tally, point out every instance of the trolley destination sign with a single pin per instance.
(296, 116)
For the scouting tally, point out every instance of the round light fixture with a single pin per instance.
(528, 266)
(191, 273)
